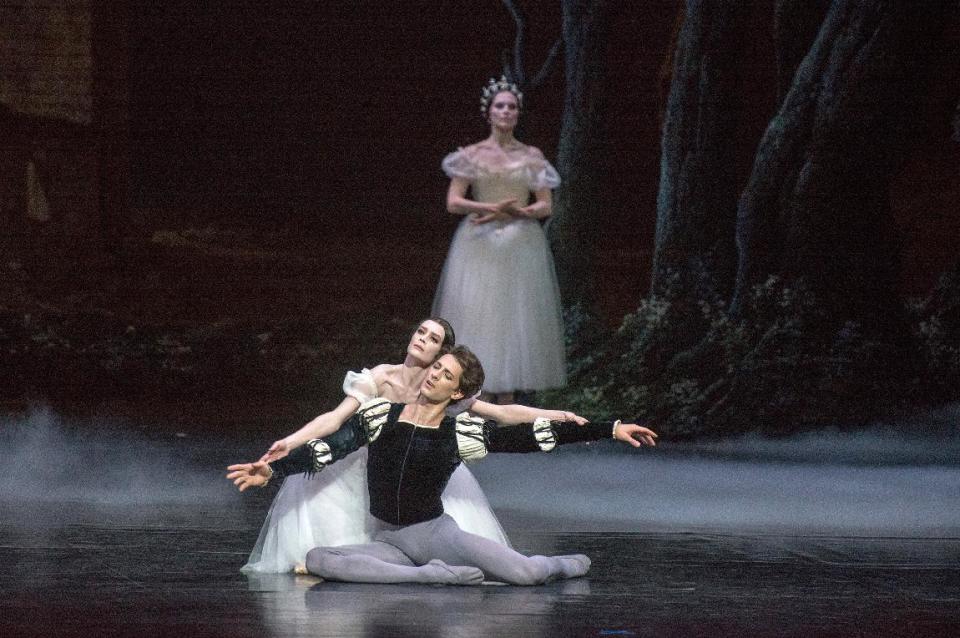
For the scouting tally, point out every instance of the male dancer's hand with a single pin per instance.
(246, 475)
(635, 435)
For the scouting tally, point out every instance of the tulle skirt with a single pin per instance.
(333, 508)
(499, 291)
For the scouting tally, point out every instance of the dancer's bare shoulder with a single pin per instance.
(384, 372)
(390, 382)
(533, 151)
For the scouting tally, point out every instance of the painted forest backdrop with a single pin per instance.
(775, 299)
(756, 228)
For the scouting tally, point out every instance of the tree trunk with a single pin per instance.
(697, 200)
(576, 212)
(795, 24)
(816, 206)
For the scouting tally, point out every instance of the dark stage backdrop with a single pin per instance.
(332, 117)
(321, 113)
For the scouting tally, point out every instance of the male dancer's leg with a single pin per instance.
(443, 539)
(378, 562)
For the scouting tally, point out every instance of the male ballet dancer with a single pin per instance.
(413, 450)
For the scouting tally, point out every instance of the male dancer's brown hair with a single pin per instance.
(471, 379)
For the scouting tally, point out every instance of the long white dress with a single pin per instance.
(498, 288)
(333, 506)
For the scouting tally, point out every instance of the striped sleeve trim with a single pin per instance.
(321, 457)
(544, 434)
(471, 443)
(373, 415)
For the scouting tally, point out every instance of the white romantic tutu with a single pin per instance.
(499, 292)
(498, 288)
(332, 508)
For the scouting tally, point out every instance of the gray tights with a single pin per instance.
(438, 551)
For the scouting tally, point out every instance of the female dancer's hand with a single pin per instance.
(502, 210)
(246, 475)
(635, 435)
(277, 451)
(570, 416)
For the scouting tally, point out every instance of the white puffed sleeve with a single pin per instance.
(471, 442)
(360, 385)
(459, 164)
(541, 174)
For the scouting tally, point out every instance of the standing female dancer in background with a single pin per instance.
(332, 508)
(498, 285)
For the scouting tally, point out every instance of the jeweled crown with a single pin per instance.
(498, 86)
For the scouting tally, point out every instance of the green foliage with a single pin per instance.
(935, 324)
(47, 352)
(693, 369)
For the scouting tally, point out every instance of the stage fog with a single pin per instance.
(886, 480)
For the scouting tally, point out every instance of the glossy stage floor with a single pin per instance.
(143, 537)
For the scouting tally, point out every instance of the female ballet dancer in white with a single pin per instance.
(332, 508)
(498, 285)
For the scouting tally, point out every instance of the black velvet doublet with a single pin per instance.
(409, 466)
(408, 469)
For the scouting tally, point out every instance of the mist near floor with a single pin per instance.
(105, 462)
(897, 478)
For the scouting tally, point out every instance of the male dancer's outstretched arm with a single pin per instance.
(541, 436)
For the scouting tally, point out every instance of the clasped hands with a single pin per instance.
(502, 210)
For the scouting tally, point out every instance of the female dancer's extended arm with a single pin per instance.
(358, 386)
(324, 425)
(515, 414)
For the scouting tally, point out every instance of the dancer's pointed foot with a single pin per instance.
(574, 565)
(438, 572)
